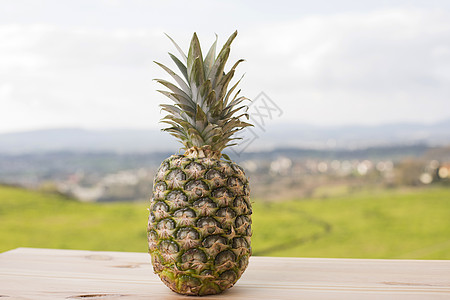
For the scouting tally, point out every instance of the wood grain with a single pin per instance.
(28, 273)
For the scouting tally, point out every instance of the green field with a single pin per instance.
(411, 224)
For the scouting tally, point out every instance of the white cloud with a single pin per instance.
(363, 67)
(384, 66)
(59, 77)
(6, 91)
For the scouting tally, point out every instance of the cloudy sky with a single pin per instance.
(89, 64)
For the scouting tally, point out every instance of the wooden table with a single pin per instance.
(28, 273)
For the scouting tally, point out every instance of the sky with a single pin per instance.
(89, 63)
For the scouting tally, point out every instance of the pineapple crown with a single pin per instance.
(205, 114)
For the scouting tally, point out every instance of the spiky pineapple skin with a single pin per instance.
(199, 226)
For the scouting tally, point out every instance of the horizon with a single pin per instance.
(275, 136)
(274, 124)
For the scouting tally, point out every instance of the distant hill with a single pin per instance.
(270, 137)
(354, 136)
(80, 140)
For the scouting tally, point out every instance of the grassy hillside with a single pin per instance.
(386, 224)
(32, 219)
(411, 224)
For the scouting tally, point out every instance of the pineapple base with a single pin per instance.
(199, 225)
(194, 285)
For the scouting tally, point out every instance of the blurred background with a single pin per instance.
(349, 156)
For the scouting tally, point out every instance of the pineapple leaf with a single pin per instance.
(225, 80)
(237, 63)
(174, 88)
(195, 137)
(178, 48)
(231, 113)
(206, 88)
(177, 78)
(223, 84)
(222, 57)
(210, 57)
(210, 101)
(171, 109)
(210, 132)
(216, 72)
(195, 59)
(235, 102)
(180, 65)
(169, 119)
(226, 157)
(227, 96)
(200, 117)
(205, 112)
(197, 75)
(187, 104)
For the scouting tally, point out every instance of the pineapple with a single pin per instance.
(199, 226)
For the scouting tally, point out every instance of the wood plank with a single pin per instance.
(28, 273)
